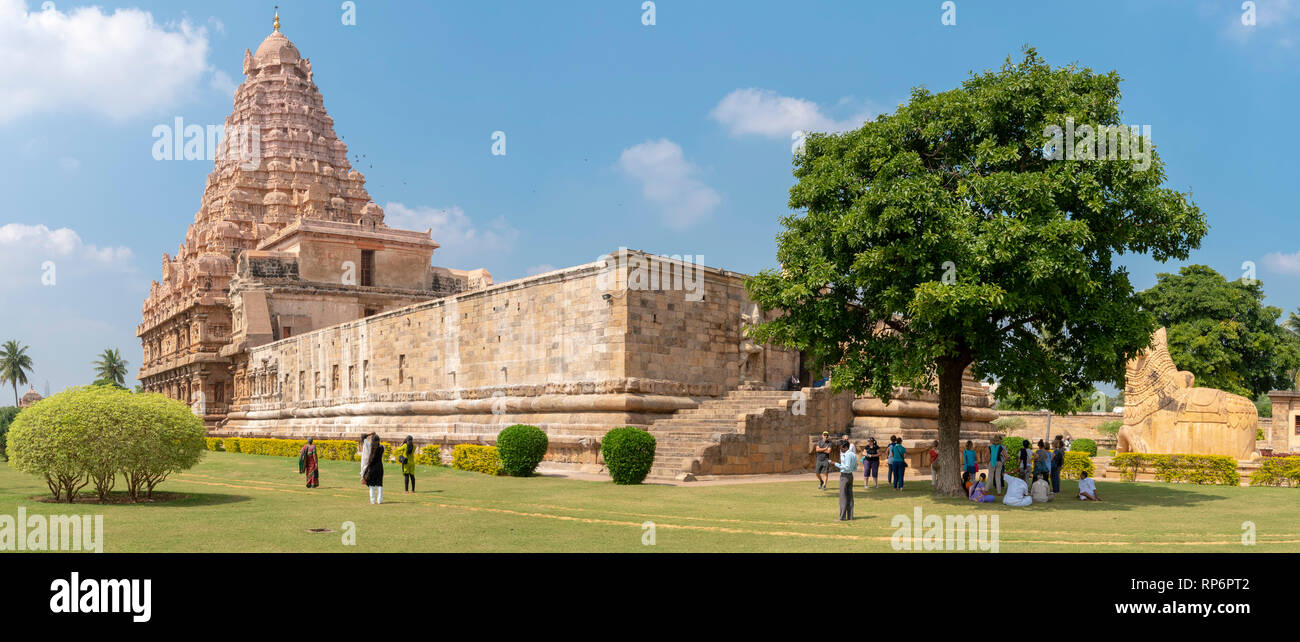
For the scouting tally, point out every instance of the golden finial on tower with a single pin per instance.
(277, 17)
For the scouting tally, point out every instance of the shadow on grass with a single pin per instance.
(202, 499)
(1115, 496)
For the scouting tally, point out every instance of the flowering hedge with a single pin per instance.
(1190, 469)
(331, 449)
(478, 459)
(1277, 471)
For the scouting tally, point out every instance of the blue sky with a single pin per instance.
(673, 137)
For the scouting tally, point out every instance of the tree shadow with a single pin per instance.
(1122, 496)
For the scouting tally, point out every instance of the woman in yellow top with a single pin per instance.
(406, 457)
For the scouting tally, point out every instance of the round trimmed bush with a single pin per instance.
(1084, 446)
(521, 448)
(629, 453)
(1013, 445)
(96, 434)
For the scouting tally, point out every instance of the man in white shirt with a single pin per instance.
(1088, 488)
(848, 463)
(1017, 493)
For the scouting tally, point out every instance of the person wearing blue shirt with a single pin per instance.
(848, 464)
(968, 458)
(897, 462)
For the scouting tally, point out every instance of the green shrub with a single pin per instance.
(214, 444)
(474, 458)
(1084, 446)
(1277, 471)
(1259, 434)
(1013, 446)
(1077, 462)
(522, 448)
(629, 453)
(231, 444)
(7, 415)
(1190, 469)
(430, 455)
(1009, 424)
(92, 434)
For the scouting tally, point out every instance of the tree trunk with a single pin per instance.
(948, 481)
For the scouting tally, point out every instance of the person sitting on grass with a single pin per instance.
(979, 492)
(1041, 490)
(1017, 493)
(965, 482)
(1088, 488)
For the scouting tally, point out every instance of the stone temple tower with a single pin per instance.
(281, 193)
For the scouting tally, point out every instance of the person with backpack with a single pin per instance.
(406, 457)
(1042, 460)
(1058, 462)
(898, 462)
(997, 464)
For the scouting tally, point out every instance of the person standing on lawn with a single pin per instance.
(374, 475)
(1058, 462)
(406, 457)
(823, 450)
(308, 463)
(848, 463)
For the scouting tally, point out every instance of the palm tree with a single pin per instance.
(1292, 323)
(111, 367)
(15, 364)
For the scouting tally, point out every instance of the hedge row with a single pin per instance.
(1075, 463)
(332, 449)
(1277, 471)
(478, 459)
(1190, 469)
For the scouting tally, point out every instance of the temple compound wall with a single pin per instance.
(575, 352)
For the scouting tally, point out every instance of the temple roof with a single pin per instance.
(276, 50)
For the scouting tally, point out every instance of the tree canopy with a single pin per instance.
(1221, 331)
(945, 235)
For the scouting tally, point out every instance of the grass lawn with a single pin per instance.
(251, 503)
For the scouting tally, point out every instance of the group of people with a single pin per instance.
(896, 458)
(1041, 468)
(372, 465)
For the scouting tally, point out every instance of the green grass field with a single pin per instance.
(250, 503)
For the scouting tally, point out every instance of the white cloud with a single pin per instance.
(69, 164)
(1284, 263)
(1273, 20)
(670, 182)
(119, 65)
(766, 113)
(222, 83)
(24, 249)
(464, 244)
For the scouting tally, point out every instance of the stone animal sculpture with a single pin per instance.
(1164, 413)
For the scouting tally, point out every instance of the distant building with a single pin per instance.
(30, 398)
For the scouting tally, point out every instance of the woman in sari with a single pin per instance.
(374, 475)
(307, 464)
(979, 492)
(406, 457)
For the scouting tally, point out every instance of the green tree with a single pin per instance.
(1221, 331)
(946, 235)
(110, 368)
(15, 365)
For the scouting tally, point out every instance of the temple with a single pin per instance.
(293, 244)
(292, 310)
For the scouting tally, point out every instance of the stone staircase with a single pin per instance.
(682, 439)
